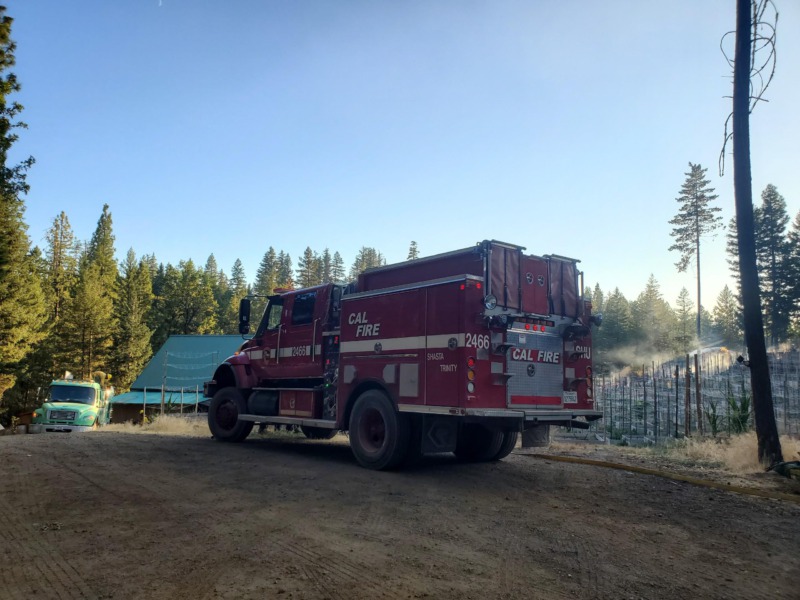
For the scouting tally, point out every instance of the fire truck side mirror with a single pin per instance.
(244, 316)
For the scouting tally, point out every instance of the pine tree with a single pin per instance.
(793, 240)
(413, 251)
(101, 251)
(22, 306)
(62, 264)
(228, 316)
(773, 260)
(684, 312)
(653, 320)
(306, 269)
(367, 258)
(265, 284)
(598, 300)
(732, 250)
(132, 337)
(326, 267)
(186, 305)
(285, 271)
(89, 322)
(337, 269)
(728, 318)
(616, 334)
(695, 219)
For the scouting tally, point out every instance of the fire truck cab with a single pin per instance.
(457, 352)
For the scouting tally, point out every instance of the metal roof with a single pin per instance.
(185, 362)
(154, 397)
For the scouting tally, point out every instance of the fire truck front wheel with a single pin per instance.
(378, 433)
(477, 443)
(223, 416)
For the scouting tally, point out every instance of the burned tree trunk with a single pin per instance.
(769, 446)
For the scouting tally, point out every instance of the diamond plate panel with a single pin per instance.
(536, 363)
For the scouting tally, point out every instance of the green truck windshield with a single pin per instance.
(71, 393)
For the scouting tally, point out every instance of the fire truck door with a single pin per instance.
(268, 335)
(300, 349)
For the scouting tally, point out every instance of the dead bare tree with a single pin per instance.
(754, 62)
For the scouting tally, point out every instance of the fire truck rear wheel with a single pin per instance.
(223, 416)
(378, 433)
(509, 442)
(477, 443)
(318, 433)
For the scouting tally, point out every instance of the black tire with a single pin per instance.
(317, 433)
(223, 416)
(378, 433)
(509, 442)
(477, 443)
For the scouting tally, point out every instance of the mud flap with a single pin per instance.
(439, 434)
(537, 436)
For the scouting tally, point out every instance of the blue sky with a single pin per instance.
(229, 127)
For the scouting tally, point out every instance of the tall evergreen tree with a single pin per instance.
(695, 219)
(228, 319)
(728, 318)
(337, 268)
(89, 322)
(22, 307)
(653, 320)
(613, 340)
(62, 264)
(793, 238)
(307, 268)
(774, 263)
(101, 251)
(266, 282)
(366, 258)
(598, 300)
(132, 337)
(326, 267)
(285, 271)
(413, 251)
(684, 312)
(186, 304)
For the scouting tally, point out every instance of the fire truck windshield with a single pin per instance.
(71, 393)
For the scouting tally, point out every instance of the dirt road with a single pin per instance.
(116, 515)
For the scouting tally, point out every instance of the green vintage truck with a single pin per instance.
(74, 405)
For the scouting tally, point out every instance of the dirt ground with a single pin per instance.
(119, 515)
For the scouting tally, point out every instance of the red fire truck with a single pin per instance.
(458, 352)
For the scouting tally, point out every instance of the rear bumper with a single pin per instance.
(535, 415)
(528, 415)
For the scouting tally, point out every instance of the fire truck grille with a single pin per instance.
(536, 363)
(61, 415)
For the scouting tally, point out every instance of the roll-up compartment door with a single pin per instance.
(505, 276)
(564, 291)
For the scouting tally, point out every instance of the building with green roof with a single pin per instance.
(175, 374)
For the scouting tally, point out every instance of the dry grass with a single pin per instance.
(166, 425)
(737, 455)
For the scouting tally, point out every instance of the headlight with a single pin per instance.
(87, 419)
